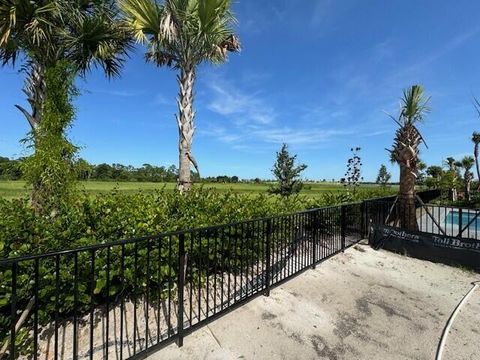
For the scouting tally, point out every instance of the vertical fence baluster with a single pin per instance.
(35, 311)
(199, 300)
(122, 297)
(268, 246)
(107, 325)
(57, 295)
(460, 222)
(170, 286)
(283, 234)
(13, 311)
(207, 274)
(181, 281)
(314, 216)
(215, 260)
(257, 253)
(147, 294)
(249, 258)
(222, 266)
(135, 291)
(191, 258)
(75, 306)
(230, 264)
(291, 244)
(344, 224)
(242, 249)
(92, 299)
(159, 290)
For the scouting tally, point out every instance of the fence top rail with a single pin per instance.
(393, 197)
(101, 246)
(453, 207)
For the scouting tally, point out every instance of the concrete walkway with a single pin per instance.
(363, 304)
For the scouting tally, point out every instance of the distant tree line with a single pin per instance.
(11, 169)
(120, 172)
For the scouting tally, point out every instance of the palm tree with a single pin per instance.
(476, 140)
(47, 33)
(182, 34)
(405, 151)
(421, 167)
(452, 177)
(466, 164)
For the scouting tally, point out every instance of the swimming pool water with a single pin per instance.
(453, 218)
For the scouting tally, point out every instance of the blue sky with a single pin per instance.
(317, 74)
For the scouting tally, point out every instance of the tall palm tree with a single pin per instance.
(405, 151)
(476, 141)
(466, 164)
(452, 177)
(182, 34)
(46, 33)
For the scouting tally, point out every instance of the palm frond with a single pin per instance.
(182, 31)
(414, 104)
(143, 17)
(96, 39)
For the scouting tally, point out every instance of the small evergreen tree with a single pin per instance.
(287, 174)
(383, 176)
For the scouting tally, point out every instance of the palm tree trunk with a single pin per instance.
(467, 179)
(477, 165)
(468, 195)
(185, 118)
(406, 200)
(35, 89)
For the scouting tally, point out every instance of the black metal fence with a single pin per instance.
(128, 298)
(452, 221)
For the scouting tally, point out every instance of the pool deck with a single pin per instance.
(363, 304)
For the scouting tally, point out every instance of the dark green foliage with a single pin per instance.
(383, 176)
(50, 169)
(434, 178)
(10, 169)
(119, 172)
(287, 174)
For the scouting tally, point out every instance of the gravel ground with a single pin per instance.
(363, 304)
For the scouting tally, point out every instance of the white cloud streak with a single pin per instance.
(230, 101)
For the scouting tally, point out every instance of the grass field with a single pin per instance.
(15, 189)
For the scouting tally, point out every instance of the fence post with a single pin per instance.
(181, 282)
(343, 225)
(268, 244)
(363, 217)
(314, 238)
(460, 223)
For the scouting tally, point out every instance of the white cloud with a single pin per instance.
(221, 134)
(233, 102)
(253, 121)
(119, 93)
(298, 136)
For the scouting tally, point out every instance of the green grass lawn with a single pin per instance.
(15, 189)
